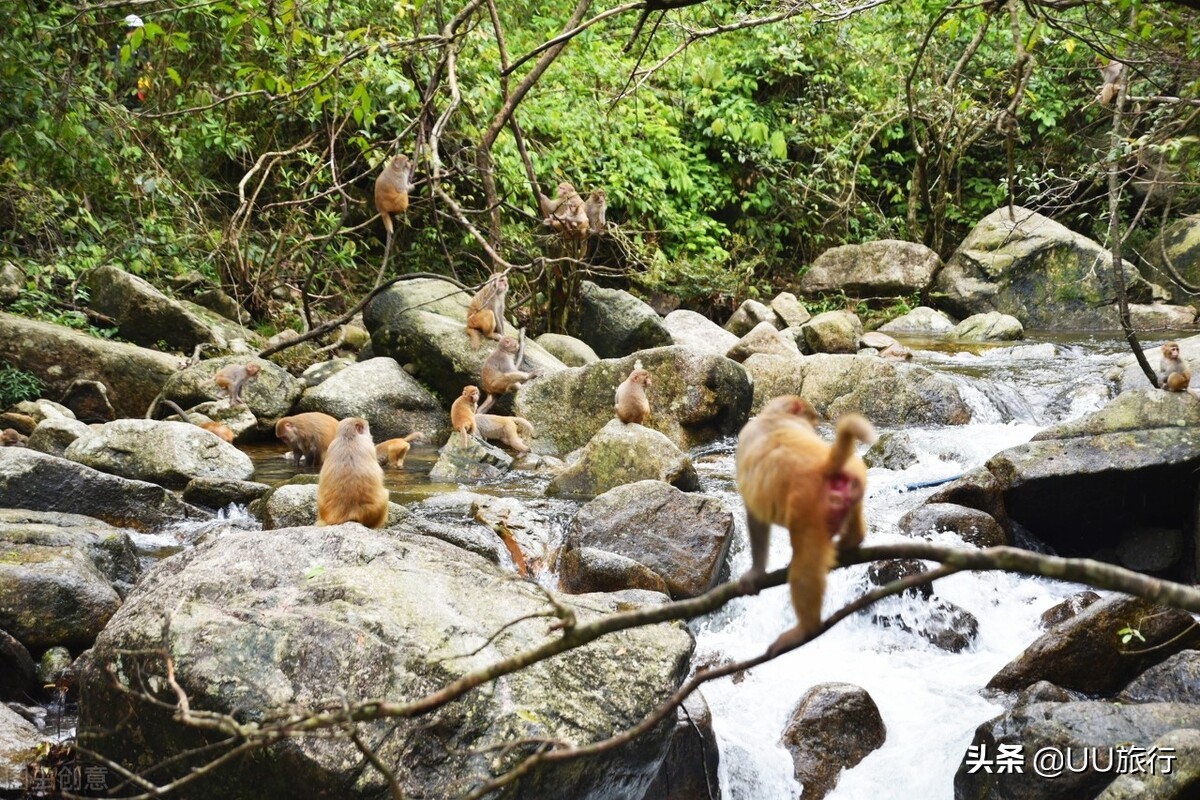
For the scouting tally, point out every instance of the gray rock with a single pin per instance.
(892, 450)
(832, 728)
(989, 327)
(473, 462)
(132, 375)
(19, 741)
(921, 319)
(568, 349)
(1176, 249)
(167, 453)
(53, 436)
(1160, 316)
(884, 267)
(690, 770)
(1150, 549)
(375, 615)
(689, 329)
(684, 538)
(832, 332)
(944, 625)
(791, 312)
(217, 493)
(1175, 680)
(973, 526)
(380, 392)
(271, 395)
(877, 340)
(623, 453)
(41, 410)
(695, 398)
(12, 281)
(588, 569)
(615, 323)
(1159, 784)
(33, 480)
(17, 670)
(764, 338)
(749, 315)
(317, 374)
(89, 401)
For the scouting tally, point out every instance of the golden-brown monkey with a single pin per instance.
(485, 313)
(568, 213)
(1174, 375)
(504, 429)
(232, 377)
(631, 402)
(350, 488)
(218, 428)
(392, 186)
(308, 434)
(394, 451)
(788, 476)
(1110, 73)
(502, 370)
(11, 437)
(462, 412)
(596, 207)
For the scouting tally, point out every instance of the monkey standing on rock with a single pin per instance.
(308, 435)
(462, 413)
(232, 377)
(1174, 374)
(351, 488)
(788, 476)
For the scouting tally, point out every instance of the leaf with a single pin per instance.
(779, 145)
(314, 572)
(173, 74)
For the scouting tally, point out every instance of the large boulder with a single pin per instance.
(1175, 680)
(683, 538)
(470, 462)
(35, 481)
(54, 436)
(695, 398)
(1176, 251)
(1021, 263)
(1181, 750)
(749, 315)
(832, 332)
(763, 338)
(422, 324)
(270, 395)
(880, 268)
(19, 747)
(921, 319)
(989, 327)
(789, 309)
(886, 392)
(623, 453)
(832, 728)
(383, 394)
(690, 770)
(269, 623)
(615, 323)
(60, 357)
(146, 316)
(689, 329)
(167, 453)
(567, 349)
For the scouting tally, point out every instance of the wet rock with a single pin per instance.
(764, 338)
(698, 332)
(832, 728)
(971, 525)
(689, 771)
(883, 267)
(53, 436)
(832, 332)
(55, 666)
(166, 453)
(749, 315)
(1158, 784)
(921, 319)
(990, 327)
(269, 396)
(472, 462)
(1085, 653)
(615, 323)
(317, 374)
(375, 614)
(1175, 680)
(479, 522)
(18, 747)
(588, 569)
(216, 493)
(623, 453)
(892, 450)
(881, 573)
(1071, 607)
(941, 623)
(17, 670)
(567, 349)
(1150, 549)
(380, 392)
(684, 538)
(791, 312)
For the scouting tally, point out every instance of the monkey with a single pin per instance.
(485, 313)
(1174, 375)
(462, 413)
(350, 487)
(568, 213)
(394, 451)
(11, 437)
(308, 435)
(1110, 73)
(631, 403)
(501, 372)
(232, 377)
(391, 197)
(218, 428)
(596, 207)
(788, 476)
(504, 429)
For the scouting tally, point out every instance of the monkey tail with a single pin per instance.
(526, 426)
(412, 437)
(851, 428)
(182, 414)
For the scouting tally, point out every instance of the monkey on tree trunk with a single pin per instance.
(485, 313)
(350, 488)
(788, 476)
(502, 370)
(391, 197)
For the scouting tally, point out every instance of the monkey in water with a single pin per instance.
(502, 370)
(788, 476)
(11, 437)
(391, 197)
(308, 435)
(394, 451)
(462, 413)
(485, 313)
(1174, 375)
(504, 429)
(350, 488)
(232, 377)
(218, 428)
(631, 402)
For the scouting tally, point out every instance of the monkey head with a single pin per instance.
(792, 405)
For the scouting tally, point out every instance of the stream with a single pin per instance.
(929, 699)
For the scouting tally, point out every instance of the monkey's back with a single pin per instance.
(350, 487)
(777, 459)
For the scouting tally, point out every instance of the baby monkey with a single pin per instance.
(1174, 375)
(788, 476)
(232, 377)
(11, 437)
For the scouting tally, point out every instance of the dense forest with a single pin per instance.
(734, 141)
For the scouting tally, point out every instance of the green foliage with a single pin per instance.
(17, 385)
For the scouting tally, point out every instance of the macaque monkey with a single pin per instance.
(485, 313)
(1174, 375)
(11, 437)
(567, 213)
(788, 476)
(502, 370)
(308, 434)
(1110, 73)
(219, 428)
(462, 413)
(504, 429)
(596, 208)
(631, 403)
(350, 488)
(232, 377)
(394, 451)
(391, 197)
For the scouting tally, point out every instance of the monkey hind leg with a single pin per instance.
(812, 556)
(760, 545)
